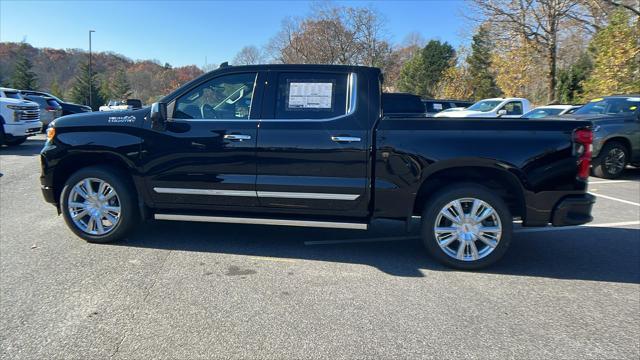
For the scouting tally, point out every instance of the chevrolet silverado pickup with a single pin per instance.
(308, 145)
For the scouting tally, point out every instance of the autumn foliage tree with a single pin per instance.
(616, 53)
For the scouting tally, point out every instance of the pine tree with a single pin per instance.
(616, 67)
(120, 88)
(80, 89)
(105, 90)
(23, 77)
(571, 79)
(482, 79)
(56, 90)
(421, 74)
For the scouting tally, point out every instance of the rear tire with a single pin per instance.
(611, 161)
(99, 215)
(481, 234)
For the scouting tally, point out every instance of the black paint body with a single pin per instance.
(397, 164)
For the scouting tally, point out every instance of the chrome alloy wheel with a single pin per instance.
(94, 206)
(468, 229)
(615, 160)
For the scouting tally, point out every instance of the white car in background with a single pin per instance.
(493, 108)
(19, 118)
(551, 110)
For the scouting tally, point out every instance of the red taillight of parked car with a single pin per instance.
(584, 139)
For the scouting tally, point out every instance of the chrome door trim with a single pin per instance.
(212, 192)
(262, 221)
(345, 139)
(261, 194)
(240, 137)
(299, 195)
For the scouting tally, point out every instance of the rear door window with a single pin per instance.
(311, 95)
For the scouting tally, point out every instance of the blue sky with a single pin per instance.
(185, 32)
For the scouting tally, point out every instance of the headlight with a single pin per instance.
(51, 133)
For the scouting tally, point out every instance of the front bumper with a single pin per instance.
(573, 210)
(22, 129)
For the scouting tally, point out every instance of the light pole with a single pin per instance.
(90, 73)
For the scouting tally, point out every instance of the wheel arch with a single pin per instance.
(74, 162)
(621, 139)
(496, 177)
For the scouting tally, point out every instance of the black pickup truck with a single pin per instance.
(307, 145)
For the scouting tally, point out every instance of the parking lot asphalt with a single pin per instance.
(186, 290)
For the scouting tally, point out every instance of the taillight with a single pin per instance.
(584, 138)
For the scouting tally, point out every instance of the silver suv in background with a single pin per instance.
(50, 109)
(616, 133)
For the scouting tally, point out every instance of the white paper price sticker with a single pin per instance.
(310, 95)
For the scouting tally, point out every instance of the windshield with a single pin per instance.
(12, 95)
(485, 105)
(540, 113)
(610, 106)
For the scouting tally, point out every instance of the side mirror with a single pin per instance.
(158, 115)
(502, 112)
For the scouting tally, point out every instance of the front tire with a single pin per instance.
(15, 141)
(99, 204)
(466, 227)
(611, 161)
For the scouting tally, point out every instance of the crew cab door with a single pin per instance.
(206, 154)
(313, 144)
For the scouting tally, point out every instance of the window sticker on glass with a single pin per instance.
(310, 95)
(437, 106)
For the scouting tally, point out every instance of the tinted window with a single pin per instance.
(485, 105)
(540, 113)
(611, 106)
(37, 99)
(12, 95)
(53, 103)
(225, 97)
(311, 96)
(401, 104)
(513, 108)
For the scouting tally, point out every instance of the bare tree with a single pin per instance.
(249, 55)
(538, 22)
(333, 35)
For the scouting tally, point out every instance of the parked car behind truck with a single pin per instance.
(306, 145)
(67, 107)
(19, 118)
(492, 108)
(50, 109)
(616, 125)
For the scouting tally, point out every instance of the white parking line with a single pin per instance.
(517, 230)
(561, 228)
(608, 182)
(615, 199)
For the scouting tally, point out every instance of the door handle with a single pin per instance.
(237, 137)
(345, 138)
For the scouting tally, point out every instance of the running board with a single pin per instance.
(261, 221)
